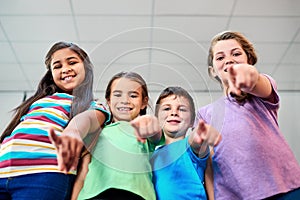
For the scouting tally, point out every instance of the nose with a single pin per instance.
(229, 61)
(66, 70)
(125, 99)
(174, 112)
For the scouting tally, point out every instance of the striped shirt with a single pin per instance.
(28, 149)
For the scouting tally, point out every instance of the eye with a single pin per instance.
(166, 108)
(117, 94)
(219, 58)
(237, 54)
(56, 66)
(73, 62)
(183, 109)
(133, 96)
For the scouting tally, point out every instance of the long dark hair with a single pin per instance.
(83, 94)
(134, 77)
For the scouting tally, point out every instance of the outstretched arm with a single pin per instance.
(244, 77)
(69, 144)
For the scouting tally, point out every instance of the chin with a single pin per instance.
(173, 132)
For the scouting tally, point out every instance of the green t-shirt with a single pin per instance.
(119, 161)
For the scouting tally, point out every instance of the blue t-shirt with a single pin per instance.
(177, 172)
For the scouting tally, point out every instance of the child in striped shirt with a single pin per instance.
(29, 168)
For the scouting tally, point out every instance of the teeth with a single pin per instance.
(67, 78)
(124, 109)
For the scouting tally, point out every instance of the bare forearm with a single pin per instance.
(81, 174)
(263, 87)
(208, 181)
(85, 122)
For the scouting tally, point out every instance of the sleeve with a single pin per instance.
(198, 163)
(161, 142)
(195, 159)
(273, 104)
(99, 106)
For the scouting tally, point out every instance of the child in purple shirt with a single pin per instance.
(253, 160)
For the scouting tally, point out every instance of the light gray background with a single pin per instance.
(165, 41)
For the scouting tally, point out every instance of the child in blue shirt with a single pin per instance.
(179, 166)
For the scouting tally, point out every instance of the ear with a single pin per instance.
(108, 102)
(145, 103)
(212, 71)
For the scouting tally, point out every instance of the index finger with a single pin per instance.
(201, 127)
(233, 89)
(55, 140)
(136, 125)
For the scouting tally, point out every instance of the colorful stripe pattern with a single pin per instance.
(28, 149)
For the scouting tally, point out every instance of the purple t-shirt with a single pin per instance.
(253, 160)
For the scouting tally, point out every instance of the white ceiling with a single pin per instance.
(164, 40)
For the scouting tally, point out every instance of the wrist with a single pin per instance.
(201, 151)
(204, 152)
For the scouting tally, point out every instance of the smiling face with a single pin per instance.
(126, 100)
(67, 69)
(174, 116)
(226, 53)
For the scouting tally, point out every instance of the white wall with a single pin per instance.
(289, 115)
(289, 120)
(8, 101)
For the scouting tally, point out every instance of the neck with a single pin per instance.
(170, 140)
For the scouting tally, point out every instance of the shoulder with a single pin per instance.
(96, 105)
(206, 112)
(274, 97)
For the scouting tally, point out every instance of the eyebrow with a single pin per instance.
(136, 92)
(116, 91)
(220, 52)
(237, 48)
(170, 104)
(69, 58)
(130, 92)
